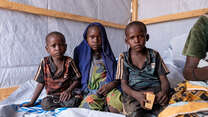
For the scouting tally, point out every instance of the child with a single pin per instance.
(141, 70)
(58, 74)
(97, 65)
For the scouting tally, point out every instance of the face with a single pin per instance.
(94, 38)
(136, 38)
(56, 47)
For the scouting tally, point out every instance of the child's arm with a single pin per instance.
(36, 94)
(108, 87)
(138, 95)
(162, 71)
(162, 96)
(66, 95)
(39, 77)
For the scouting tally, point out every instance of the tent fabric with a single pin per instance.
(168, 38)
(152, 8)
(98, 9)
(165, 31)
(22, 35)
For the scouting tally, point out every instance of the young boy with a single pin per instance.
(141, 70)
(97, 65)
(58, 74)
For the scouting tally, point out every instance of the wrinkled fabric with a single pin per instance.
(95, 101)
(190, 100)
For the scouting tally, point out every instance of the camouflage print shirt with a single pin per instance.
(146, 77)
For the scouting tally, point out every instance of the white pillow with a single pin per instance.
(176, 46)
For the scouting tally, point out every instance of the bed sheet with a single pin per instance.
(11, 106)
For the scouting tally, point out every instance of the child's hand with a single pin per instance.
(161, 98)
(141, 98)
(104, 89)
(66, 95)
(28, 104)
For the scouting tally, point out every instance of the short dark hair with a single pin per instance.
(59, 34)
(136, 23)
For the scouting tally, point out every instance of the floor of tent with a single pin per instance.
(6, 92)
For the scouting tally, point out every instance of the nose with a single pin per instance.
(57, 47)
(136, 39)
(95, 40)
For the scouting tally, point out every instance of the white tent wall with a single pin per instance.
(162, 33)
(155, 8)
(117, 11)
(22, 35)
(169, 37)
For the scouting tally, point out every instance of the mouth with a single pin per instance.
(138, 46)
(96, 47)
(58, 54)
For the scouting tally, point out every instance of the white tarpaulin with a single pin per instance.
(169, 37)
(162, 33)
(117, 11)
(22, 35)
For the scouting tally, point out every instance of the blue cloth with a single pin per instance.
(83, 57)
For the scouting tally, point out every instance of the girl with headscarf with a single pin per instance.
(97, 65)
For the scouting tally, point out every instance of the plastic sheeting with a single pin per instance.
(169, 37)
(164, 32)
(21, 46)
(174, 60)
(22, 35)
(155, 8)
(99, 9)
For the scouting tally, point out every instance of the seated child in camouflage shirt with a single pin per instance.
(141, 70)
(58, 74)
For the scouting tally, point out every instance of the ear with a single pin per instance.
(46, 47)
(126, 41)
(66, 46)
(147, 37)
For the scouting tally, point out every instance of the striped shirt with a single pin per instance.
(148, 76)
(56, 83)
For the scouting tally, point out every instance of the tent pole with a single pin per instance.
(134, 4)
(176, 16)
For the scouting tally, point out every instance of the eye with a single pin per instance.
(92, 37)
(140, 36)
(131, 37)
(54, 45)
(62, 45)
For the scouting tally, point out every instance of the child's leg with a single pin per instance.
(93, 102)
(131, 107)
(50, 103)
(75, 99)
(113, 100)
(138, 113)
(72, 102)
